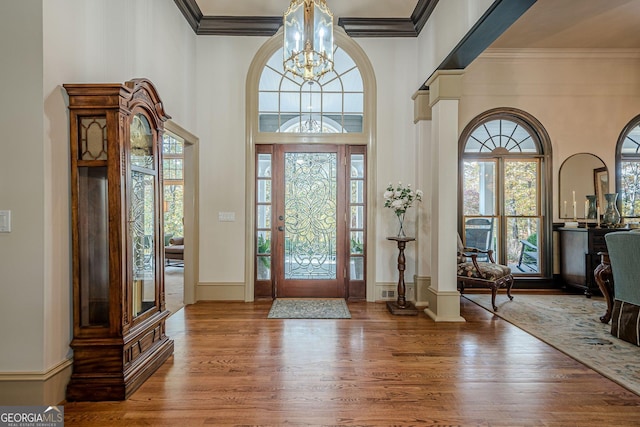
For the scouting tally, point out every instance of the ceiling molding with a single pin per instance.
(239, 25)
(378, 27)
(191, 11)
(268, 25)
(421, 13)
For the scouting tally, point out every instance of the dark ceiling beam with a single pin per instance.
(268, 25)
(500, 16)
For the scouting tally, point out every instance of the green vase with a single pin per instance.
(611, 215)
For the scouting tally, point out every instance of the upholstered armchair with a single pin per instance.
(624, 251)
(489, 274)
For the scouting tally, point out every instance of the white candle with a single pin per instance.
(574, 210)
(598, 215)
(574, 196)
(565, 209)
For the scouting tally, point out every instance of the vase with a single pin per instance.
(611, 214)
(401, 221)
(591, 213)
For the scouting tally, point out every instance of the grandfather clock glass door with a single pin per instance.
(143, 196)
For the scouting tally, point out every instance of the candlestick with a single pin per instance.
(574, 211)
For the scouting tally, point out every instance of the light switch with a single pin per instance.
(5, 221)
(226, 216)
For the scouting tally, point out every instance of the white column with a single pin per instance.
(422, 119)
(443, 296)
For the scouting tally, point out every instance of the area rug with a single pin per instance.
(309, 308)
(571, 324)
(174, 288)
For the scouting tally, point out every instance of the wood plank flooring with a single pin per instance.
(234, 367)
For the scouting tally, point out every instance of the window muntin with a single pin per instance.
(501, 189)
(501, 135)
(333, 103)
(628, 170)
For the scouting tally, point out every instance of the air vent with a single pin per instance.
(388, 294)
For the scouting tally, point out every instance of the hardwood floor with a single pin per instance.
(234, 367)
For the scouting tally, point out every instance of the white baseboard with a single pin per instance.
(46, 388)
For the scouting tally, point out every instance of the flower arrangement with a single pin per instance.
(401, 198)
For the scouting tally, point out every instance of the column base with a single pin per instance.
(444, 306)
(408, 310)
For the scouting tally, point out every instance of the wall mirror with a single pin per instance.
(579, 175)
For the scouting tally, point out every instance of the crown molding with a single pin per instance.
(268, 25)
(239, 25)
(561, 53)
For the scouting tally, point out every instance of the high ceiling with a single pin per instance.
(595, 24)
(340, 8)
(576, 24)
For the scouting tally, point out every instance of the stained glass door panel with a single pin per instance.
(310, 256)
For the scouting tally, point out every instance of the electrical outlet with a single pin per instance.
(5, 221)
(226, 216)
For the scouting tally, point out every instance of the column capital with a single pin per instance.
(445, 84)
(421, 107)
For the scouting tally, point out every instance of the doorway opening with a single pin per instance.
(310, 229)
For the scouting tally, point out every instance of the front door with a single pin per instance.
(309, 221)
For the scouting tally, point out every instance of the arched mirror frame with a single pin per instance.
(581, 175)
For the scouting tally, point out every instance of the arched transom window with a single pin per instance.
(332, 104)
(501, 136)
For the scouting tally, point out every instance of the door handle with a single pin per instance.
(280, 228)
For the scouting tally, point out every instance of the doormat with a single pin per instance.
(309, 308)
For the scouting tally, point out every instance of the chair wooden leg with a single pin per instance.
(509, 286)
(494, 291)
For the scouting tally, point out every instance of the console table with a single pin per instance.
(401, 306)
(579, 256)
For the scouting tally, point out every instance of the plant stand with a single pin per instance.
(401, 307)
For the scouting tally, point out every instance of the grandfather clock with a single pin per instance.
(119, 309)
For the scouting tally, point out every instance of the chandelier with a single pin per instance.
(308, 39)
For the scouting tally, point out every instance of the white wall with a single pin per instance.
(43, 45)
(448, 24)
(22, 187)
(584, 99)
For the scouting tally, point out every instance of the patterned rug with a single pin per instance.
(571, 324)
(312, 308)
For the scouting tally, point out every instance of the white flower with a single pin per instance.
(400, 198)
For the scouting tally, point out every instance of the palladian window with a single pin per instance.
(333, 103)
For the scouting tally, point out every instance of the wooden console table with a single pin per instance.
(401, 306)
(604, 279)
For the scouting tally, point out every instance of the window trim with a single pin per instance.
(544, 156)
